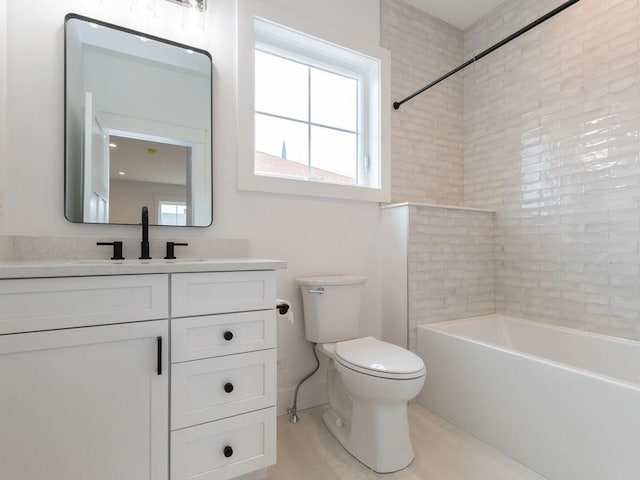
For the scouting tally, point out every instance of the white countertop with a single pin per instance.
(84, 268)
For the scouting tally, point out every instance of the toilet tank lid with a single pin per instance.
(330, 280)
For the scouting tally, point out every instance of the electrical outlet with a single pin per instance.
(280, 363)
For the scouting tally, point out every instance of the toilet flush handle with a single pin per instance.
(319, 290)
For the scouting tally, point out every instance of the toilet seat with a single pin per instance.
(379, 359)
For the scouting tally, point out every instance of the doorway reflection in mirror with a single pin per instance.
(143, 172)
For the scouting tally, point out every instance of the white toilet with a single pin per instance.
(369, 381)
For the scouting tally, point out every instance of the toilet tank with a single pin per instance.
(331, 307)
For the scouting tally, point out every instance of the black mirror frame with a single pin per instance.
(70, 16)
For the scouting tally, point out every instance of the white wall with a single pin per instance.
(316, 236)
(3, 101)
(394, 282)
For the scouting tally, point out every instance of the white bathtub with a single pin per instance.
(564, 402)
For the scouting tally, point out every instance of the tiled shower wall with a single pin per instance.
(450, 265)
(426, 134)
(438, 265)
(551, 125)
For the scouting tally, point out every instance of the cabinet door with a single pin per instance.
(85, 403)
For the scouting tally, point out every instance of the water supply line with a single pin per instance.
(293, 411)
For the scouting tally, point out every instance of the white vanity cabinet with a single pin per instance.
(166, 375)
(223, 374)
(84, 403)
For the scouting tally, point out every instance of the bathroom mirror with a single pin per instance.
(137, 127)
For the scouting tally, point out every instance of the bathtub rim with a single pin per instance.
(434, 327)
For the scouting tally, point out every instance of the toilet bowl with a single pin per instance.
(368, 400)
(369, 382)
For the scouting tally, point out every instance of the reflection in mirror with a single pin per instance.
(138, 127)
(147, 173)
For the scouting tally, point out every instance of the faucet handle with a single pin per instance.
(170, 249)
(117, 249)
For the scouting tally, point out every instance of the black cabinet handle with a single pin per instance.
(228, 451)
(228, 336)
(159, 346)
(228, 387)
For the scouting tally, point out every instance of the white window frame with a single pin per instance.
(265, 27)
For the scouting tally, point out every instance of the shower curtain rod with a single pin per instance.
(513, 36)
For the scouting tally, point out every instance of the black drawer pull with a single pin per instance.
(228, 451)
(228, 336)
(228, 387)
(159, 355)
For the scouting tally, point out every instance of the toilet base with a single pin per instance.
(378, 457)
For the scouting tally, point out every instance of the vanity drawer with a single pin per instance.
(51, 303)
(203, 337)
(199, 452)
(222, 292)
(198, 392)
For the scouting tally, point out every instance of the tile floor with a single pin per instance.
(307, 451)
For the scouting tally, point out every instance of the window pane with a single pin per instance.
(282, 87)
(282, 146)
(333, 155)
(173, 214)
(334, 100)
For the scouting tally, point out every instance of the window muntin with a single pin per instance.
(308, 115)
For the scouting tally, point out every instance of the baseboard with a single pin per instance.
(310, 394)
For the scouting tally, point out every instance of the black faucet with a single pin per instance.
(144, 245)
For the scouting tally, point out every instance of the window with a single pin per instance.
(172, 213)
(307, 122)
(317, 116)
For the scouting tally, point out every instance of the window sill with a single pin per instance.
(259, 183)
